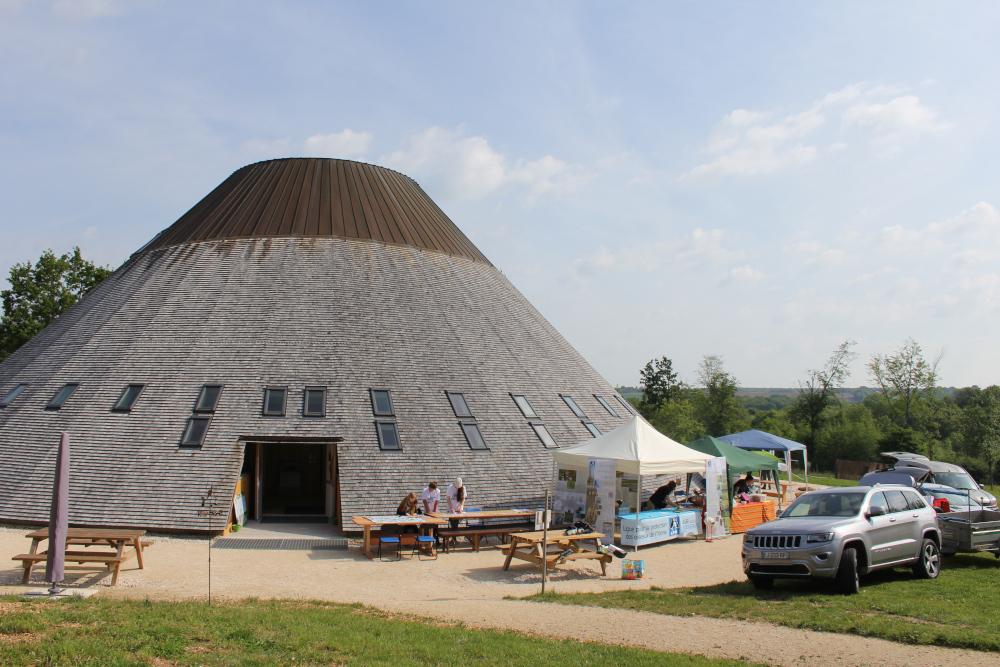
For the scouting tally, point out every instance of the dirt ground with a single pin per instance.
(471, 587)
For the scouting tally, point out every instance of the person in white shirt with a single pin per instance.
(431, 497)
(456, 494)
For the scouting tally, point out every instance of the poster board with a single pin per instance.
(716, 497)
(659, 526)
(240, 509)
(569, 501)
(600, 503)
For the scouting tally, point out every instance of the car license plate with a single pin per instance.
(774, 554)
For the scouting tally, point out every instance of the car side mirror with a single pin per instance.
(876, 510)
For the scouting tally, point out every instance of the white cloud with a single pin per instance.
(469, 168)
(893, 121)
(343, 145)
(82, 10)
(703, 246)
(698, 248)
(742, 276)
(881, 273)
(971, 236)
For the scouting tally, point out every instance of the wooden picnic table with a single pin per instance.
(118, 539)
(533, 548)
(367, 522)
(475, 535)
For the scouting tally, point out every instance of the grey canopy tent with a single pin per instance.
(763, 441)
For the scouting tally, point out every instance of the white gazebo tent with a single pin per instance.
(639, 450)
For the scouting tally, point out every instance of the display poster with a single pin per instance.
(569, 502)
(240, 509)
(659, 526)
(600, 507)
(716, 498)
(625, 491)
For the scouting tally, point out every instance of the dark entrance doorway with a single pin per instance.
(292, 480)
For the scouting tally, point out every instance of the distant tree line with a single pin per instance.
(906, 411)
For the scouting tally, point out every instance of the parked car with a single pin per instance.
(842, 534)
(949, 474)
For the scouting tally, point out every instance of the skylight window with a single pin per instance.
(625, 404)
(8, 399)
(195, 431)
(524, 406)
(459, 404)
(607, 406)
(388, 436)
(544, 435)
(594, 431)
(474, 436)
(129, 396)
(274, 401)
(208, 398)
(573, 406)
(382, 403)
(314, 402)
(61, 396)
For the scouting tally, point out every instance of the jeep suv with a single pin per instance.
(840, 534)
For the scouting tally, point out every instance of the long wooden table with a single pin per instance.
(366, 523)
(119, 539)
(475, 535)
(534, 548)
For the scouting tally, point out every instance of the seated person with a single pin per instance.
(743, 486)
(408, 505)
(664, 496)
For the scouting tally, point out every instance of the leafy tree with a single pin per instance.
(776, 423)
(982, 426)
(39, 294)
(717, 407)
(853, 435)
(659, 384)
(904, 378)
(820, 388)
(677, 420)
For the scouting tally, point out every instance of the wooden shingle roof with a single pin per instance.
(320, 197)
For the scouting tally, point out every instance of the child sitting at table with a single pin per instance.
(408, 506)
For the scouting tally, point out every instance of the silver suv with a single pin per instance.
(840, 534)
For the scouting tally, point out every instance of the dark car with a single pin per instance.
(938, 472)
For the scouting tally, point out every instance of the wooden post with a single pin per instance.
(545, 539)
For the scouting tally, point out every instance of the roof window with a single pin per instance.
(544, 435)
(61, 396)
(208, 398)
(274, 401)
(314, 402)
(195, 431)
(388, 436)
(9, 398)
(459, 404)
(607, 406)
(382, 403)
(129, 396)
(594, 431)
(625, 404)
(474, 436)
(572, 405)
(524, 406)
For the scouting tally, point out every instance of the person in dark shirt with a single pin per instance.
(743, 485)
(664, 496)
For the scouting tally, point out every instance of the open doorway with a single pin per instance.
(292, 481)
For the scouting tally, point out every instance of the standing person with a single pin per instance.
(664, 496)
(431, 497)
(456, 494)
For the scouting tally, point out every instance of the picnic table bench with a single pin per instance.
(118, 539)
(534, 548)
(476, 532)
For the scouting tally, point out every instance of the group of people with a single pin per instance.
(666, 496)
(455, 496)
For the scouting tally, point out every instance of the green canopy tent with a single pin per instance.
(737, 460)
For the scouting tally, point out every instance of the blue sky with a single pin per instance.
(759, 181)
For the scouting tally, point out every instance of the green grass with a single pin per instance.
(961, 608)
(127, 633)
(828, 481)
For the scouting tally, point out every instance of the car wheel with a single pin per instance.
(928, 566)
(762, 583)
(847, 573)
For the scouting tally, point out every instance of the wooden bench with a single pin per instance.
(476, 534)
(111, 560)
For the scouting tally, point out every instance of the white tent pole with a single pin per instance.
(638, 505)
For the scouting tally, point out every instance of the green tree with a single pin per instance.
(904, 378)
(677, 420)
(819, 390)
(39, 294)
(853, 435)
(982, 426)
(659, 385)
(717, 407)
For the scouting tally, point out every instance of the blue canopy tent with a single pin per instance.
(755, 440)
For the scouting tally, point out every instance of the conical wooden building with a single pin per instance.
(319, 327)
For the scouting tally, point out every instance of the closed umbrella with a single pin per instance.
(58, 518)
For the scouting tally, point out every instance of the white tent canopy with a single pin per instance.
(639, 449)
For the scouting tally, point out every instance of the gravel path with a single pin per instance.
(470, 588)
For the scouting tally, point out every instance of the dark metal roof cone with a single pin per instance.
(59, 517)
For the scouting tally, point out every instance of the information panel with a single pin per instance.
(658, 526)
